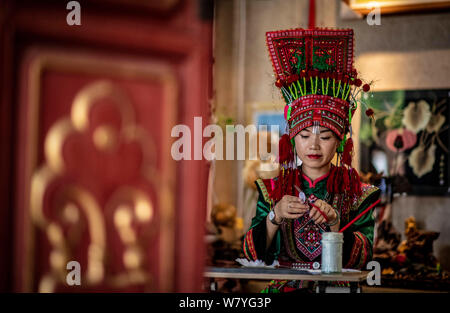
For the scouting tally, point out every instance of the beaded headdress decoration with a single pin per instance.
(315, 74)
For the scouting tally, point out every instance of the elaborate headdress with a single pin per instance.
(315, 74)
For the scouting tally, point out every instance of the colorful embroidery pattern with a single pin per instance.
(360, 253)
(355, 253)
(244, 248)
(331, 111)
(364, 253)
(294, 50)
(308, 238)
(302, 235)
(367, 190)
(249, 246)
(315, 74)
(264, 191)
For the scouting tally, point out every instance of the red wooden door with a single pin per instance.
(91, 174)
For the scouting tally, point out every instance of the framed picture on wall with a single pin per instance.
(409, 139)
(274, 120)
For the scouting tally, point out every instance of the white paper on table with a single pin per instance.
(350, 270)
(257, 263)
(261, 263)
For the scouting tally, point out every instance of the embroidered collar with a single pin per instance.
(312, 184)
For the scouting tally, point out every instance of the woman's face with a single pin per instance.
(316, 150)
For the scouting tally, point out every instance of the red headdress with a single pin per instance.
(315, 74)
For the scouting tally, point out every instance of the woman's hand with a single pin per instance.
(326, 209)
(289, 207)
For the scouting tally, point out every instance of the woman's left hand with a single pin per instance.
(326, 209)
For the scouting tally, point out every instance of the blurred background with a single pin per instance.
(87, 113)
(86, 168)
(402, 48)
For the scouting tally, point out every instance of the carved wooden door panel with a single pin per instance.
(94, 180)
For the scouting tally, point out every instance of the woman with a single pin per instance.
(295, 208)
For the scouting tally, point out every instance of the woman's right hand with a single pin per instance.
(289, 207)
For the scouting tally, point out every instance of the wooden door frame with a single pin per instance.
(179, 35)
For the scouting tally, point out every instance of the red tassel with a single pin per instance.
(297, 180)
(350, 183)
(330, 180)
(356, 183)
(290, 185)
(346, 180)
(336, 180)
(285, 149)
(330, 183)
(339, 180)
(348, 152)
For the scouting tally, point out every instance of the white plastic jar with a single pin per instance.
(332, 252)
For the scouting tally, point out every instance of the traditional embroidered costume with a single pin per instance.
(315, 74)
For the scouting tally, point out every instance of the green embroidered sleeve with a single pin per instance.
(358, 238)
(254, 246)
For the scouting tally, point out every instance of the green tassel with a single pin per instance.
(289, 113)
(304, 84)
(323, 88)
(348, 91)
(300, 88)
(343, 91)
(340, 149)
(292, 93)
(334, 89)
(296, 91)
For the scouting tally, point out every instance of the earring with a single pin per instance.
(295, 150)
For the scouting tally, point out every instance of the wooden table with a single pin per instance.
(287, 274)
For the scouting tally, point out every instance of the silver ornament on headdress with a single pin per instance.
(316, 130)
